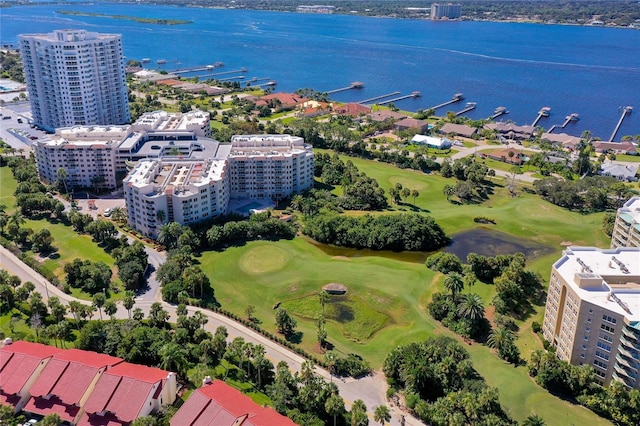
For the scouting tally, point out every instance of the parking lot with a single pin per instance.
(15, 126)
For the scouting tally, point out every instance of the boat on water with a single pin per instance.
(545, 111)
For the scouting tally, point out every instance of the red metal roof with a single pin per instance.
(123, 390)
(67, 412)
(97, 420)
(218, 404)
(33, 349)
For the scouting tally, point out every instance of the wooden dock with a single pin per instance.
(625, 111)
(498, 112)
(544, 112)
(469, 107)
(366, 101)
(414, 94)
(213, 75)
(456, 98)
(353, 85)
(569, 118)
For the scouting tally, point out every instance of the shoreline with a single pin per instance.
(392, 16)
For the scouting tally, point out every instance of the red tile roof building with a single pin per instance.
(66, 383)
(126, 392)
(218, 404)
(281, 100)
(352, 109)
(20, 366)
(412, 123)
(82, 387)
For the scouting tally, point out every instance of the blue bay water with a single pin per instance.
(587, 70)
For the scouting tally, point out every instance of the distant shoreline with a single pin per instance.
(156, 21)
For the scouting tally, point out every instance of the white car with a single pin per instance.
(107, 213)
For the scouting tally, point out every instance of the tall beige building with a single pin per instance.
(592, 315)
(626, 231)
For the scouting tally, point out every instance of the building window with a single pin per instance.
(607, 318)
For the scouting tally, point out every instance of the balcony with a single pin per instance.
(627, 381)
(625, 352)
(630, 334)
(627, 364)
(629, 343)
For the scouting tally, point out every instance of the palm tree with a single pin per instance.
(415, 194)
(172, 355)
(129, 301)
(471, 307)
(17, 218)
(62, 177)
(359, 413)
(499, 337)
(99, 300)
(534, 420)
(259, 362)
(448, 191)
(330, 359)
(454, 283)
(324, 298)
(381, 414)
(206, 347)
(334, 406)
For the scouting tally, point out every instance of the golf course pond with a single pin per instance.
(483, 241)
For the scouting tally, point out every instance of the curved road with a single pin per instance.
(370, 389)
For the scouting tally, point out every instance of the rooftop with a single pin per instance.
(609, 278)
(630, 212)
(218, 404)
(18, 361)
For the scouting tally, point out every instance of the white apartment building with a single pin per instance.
(185, 191)
(75, 77)
(269, 166)
(449, 11)
(88, 152)
(592, 314)
(188, 190)
(626, 230)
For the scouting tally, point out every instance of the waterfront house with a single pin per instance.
(623, 173)
(458, 129)
(352, 110)
(411, 123)
(563, 139)
(281, 101)
(624, 147)
(386, 115)
(510, 130)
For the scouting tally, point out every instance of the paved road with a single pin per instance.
(370, 389)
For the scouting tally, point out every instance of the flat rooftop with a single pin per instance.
(630, 212)
(609, 278)
(173, 176)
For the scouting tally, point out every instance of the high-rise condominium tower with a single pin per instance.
(75, 77)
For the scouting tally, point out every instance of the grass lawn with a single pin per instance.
(393, 289)
(7, 188)
(70, 244)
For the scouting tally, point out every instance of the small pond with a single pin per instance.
(488, 242)
(483, 241)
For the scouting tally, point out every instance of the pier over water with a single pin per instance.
(544, 112)
(625, 111)
(456, 98)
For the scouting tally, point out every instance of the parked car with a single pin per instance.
(107, 213)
